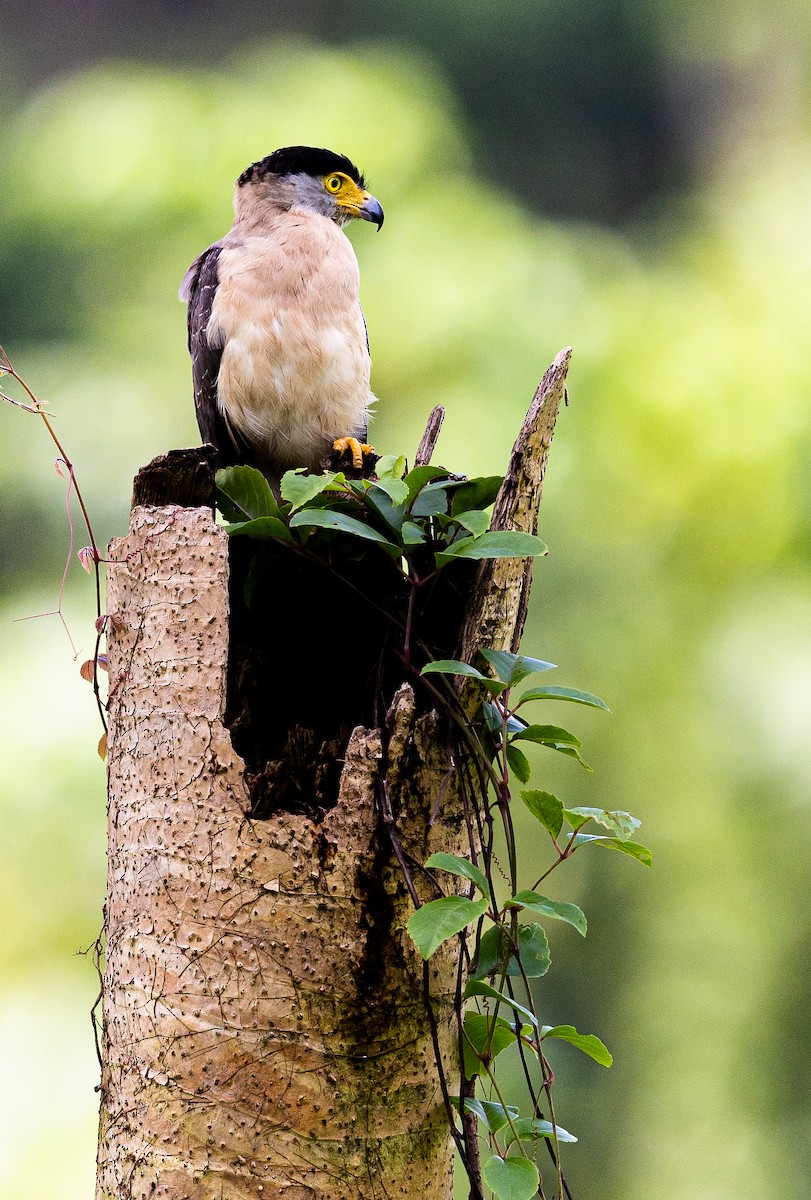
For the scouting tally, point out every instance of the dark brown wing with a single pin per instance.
(198, 288)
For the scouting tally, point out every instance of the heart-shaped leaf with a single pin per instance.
(511, 1178)
(438, 920)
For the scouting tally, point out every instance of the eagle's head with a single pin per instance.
(305, 177)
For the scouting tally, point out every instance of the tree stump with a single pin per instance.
(266, 1032)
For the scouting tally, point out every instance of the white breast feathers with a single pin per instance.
(295, 365)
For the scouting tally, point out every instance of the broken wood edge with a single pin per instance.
(497, 609)
(182, 477)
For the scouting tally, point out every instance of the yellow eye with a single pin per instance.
(333, 183)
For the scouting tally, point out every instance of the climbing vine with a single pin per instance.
(427, 523)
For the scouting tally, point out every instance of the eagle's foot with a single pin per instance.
(357, 450)
(348, 454)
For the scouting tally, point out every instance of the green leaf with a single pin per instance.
(411, 534)
(518, 764)
(475, 987)
(495, 950)
(475, 520)
(229, 512)
(534, 1127)
(563, 693)
(395, 489)
(632, 849)
(453, 666)
(438, 920)
(492, 952)
(475, 493)
(390, 466)
(261, 528)
(429, 502)
(494, 1115)
(461, 867)
(392, 513)
(534, 952)
(511, 1178)
(546, 808)
(299, 488)
(512, 668)
(575, 819)
(327, 518)
(484, 1034)
(569, 751)
(589, 1043)
(504, 543)
(468, 1104)
(497, 1115)
(420, 477)
(248, 492)
(620, 823)
(546, 735)
(492, 718)
(561, 910)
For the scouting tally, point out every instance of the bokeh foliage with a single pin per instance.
(677, 586)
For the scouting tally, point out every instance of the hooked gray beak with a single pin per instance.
(371, 210)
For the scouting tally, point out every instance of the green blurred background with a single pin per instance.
(632, 178)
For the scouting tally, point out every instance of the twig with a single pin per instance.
(6, 368)
(429, 438)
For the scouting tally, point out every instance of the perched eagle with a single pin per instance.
(278, 342)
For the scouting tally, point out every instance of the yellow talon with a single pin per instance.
(358, 449)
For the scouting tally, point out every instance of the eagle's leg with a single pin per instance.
(357, 449)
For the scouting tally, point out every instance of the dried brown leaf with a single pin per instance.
(87, 557)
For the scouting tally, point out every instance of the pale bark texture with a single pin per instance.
(266, 1032)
